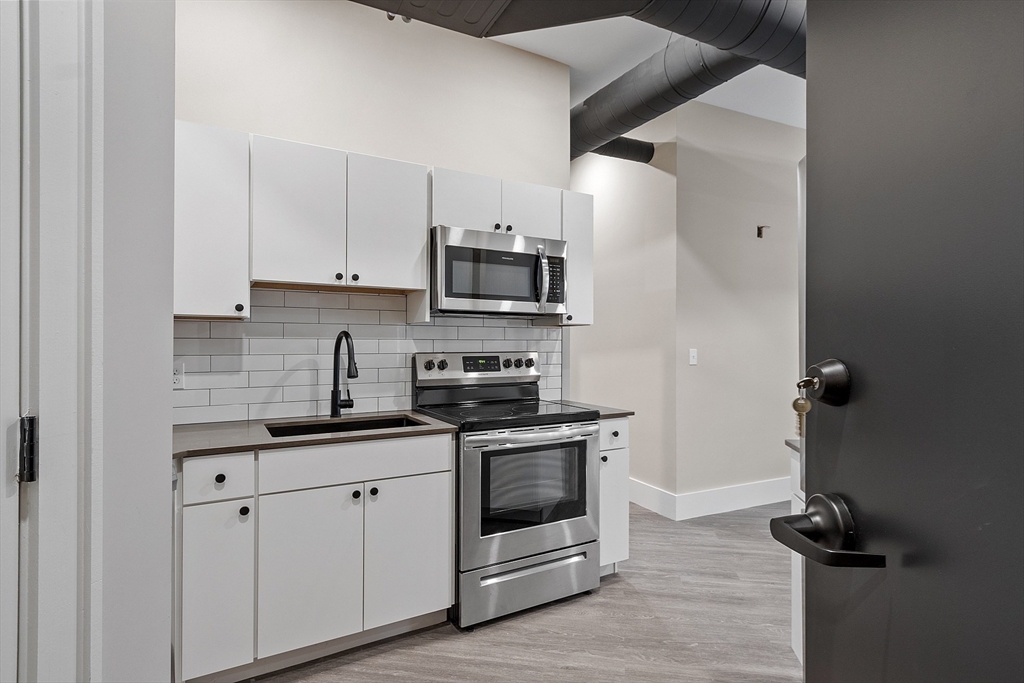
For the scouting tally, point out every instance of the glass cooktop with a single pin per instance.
(507, 414)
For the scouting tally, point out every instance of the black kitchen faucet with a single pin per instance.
(337, 402)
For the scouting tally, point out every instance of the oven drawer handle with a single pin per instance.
(529, 438)
(532, 569)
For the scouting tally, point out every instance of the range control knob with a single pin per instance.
(429, 365)
(519, 362)
(442, 364)
(507, 363)
(530, 362)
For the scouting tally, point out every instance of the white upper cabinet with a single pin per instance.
(465, 200)
(533, 210)
(578, 231)
(298, 212)
(388, 223)
(211, 221)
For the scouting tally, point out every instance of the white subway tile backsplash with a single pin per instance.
(282, 346)
(245, 363)
(349, 316)
(279, 363)
(246, 330)
(214, 380)
(280, 378)
(275, 314)
(184, 398)
(255, 395)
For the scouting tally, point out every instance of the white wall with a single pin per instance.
(677, 265)
(627, 358)
(341, 75)
(738, 296)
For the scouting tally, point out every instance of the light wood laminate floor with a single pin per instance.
(701, 600)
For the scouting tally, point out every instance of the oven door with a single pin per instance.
(527, 491)
(484, 272)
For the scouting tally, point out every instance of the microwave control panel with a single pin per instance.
(556, 272)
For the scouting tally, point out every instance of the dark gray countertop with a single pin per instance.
(606, 412)
(794, 444)
(233, 437)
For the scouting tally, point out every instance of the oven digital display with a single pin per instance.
(481, 364)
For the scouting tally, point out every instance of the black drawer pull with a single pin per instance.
(220, 478)
(615, 434)
(244, 510)
(356, 494)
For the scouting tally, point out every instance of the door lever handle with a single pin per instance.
(823, 534)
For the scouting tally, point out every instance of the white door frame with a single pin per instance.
(10, 329)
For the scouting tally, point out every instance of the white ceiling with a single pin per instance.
(597, 52)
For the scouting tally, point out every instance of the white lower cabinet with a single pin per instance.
(614, 506)
(407, 548)
(310, 567)
(218, 555)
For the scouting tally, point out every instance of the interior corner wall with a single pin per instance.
(131, 583)
(341, 75)
(627, 357)
(737, 297)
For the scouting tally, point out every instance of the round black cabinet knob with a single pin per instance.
(355, 277)
(373, 491)
(239, 307)
(604, 458)
(508, 228)
(339, 276)
(442, 364)
(220, 478)
(568, 317)
(615, 434)
(244, 510)
(530, 362)
(497, 226)
(429, 365)
(507, 362)
(518, 363)
(356, 494)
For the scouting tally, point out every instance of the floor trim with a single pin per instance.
(680, 506)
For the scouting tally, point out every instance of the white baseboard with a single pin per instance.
(679, 506)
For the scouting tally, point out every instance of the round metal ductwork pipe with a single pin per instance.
(682, 71)
(629, 149)
(772, 32)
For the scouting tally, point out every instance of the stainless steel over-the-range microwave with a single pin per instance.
(482, 272)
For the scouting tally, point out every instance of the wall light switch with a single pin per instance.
(693, 356)
(179, 374)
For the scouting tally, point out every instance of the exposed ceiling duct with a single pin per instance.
(629, 149)
(682, 71)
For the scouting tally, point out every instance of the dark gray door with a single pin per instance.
(915, 279)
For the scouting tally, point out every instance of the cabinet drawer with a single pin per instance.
(614, 433)
(291, 469)
(217, 477)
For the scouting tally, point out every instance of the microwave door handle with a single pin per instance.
(545, 279)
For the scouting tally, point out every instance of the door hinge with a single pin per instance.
(28, 452)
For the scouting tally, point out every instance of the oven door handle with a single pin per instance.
(528, 439)
(545, 279)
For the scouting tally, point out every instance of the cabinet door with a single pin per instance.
(298, 212)
(408, 548)
(218, 565)
(578, 231)
(531, 210)
(614, 507)
(388, 223)
(211, 221)
(465, 200)
(310, 567)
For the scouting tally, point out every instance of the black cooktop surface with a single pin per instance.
(507, 414)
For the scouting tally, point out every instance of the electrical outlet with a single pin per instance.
(178, 376)
(693, 356)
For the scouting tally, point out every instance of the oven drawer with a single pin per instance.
(513, 586)
(614, 433)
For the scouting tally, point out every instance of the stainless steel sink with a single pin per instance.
(341, 426)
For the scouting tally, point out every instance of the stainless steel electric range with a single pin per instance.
(528, 485)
